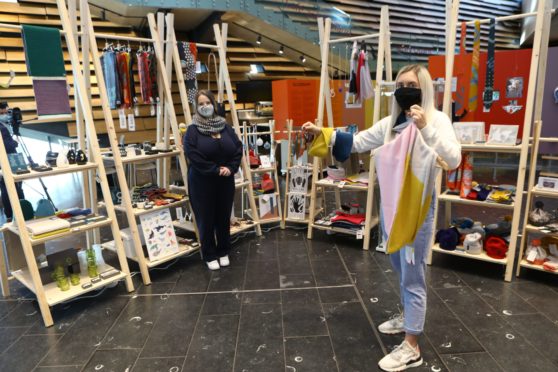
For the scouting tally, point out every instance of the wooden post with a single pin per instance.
(288, 174)
(234, 115)
(161, 109)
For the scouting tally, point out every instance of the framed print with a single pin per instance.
(501, 134)
(159, 235)
(469, 131)
(268, 206)
(296, 206)
(548, 183)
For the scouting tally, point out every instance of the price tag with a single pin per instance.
(152, 110)
(532, 255)
(341, 184)
(122, 119)
(131, 123)
(359, 234)
(180, 215)
(136, 110)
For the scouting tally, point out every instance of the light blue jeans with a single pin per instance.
(412, 279)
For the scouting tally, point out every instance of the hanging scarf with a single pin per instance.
(460, 99)
(209, 126)
(123, 63)
(145, 78)
(473, 90)
(489, 83)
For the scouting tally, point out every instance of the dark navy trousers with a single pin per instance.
(212, 199)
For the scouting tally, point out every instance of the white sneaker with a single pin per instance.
(402, 357)
(213, 265)
(393, 326)
(224, 261)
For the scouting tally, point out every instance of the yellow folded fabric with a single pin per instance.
(320, 145)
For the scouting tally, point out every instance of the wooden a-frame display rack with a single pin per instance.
(224, 83)
(132, 214)
(324, 98)
(49, 294)
(533, 111)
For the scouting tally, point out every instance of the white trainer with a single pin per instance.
(392, 326)
(224, 261)
(402, 357)
(213, 265)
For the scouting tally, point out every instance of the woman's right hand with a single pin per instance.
(311, 128)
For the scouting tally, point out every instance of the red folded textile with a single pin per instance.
(356, 219)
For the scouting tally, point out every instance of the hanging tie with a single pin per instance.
(473, 89)
(489, 83)
(460, 99)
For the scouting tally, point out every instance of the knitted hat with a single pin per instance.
(448, 238)
(475, 228)
(496, 247)
(320, 145)
(502, 228)
(473, 243)
(343, 145)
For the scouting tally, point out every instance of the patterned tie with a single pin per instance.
(489, 84)
(460, 100)
(473, 89)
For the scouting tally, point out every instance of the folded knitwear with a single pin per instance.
(355, 219)
(43, 51)
(320, 145)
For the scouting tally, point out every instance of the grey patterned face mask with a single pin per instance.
(206, 111)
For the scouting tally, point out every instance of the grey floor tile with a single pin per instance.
(539, 331)
(77, 346)
(173, 330)
(438, 277)
(471, 362)
(75, 368)
(262, 275)
(330, 272)
(24, 314)
(262, 297)
(335, 295)
(297, 280)
(155, 288)
(310, 354)
(354, 344)
(357, 259)
(112, 360)
(302, 314)
(260, 321)
(10, 335)
(6, 307)
(213, 346)
(262, 251)
(195, 278)
(254, 355)
(227, 279)
(134, 324)
(158, 365)
(222, 304)
(466, 304)
(320, 250)
(294, 260)
(26, 352)
(380, 296)
(539, 296)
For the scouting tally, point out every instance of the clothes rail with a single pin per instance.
(504, 18)
(354, 38)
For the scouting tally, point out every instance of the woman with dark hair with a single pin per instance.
(214, 153)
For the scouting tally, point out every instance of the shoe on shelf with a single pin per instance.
(224, 261)
(392, 326)
(402, 357)
(213, 265)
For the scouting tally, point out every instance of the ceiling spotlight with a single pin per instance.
(302, 59)
(259, 40)
(281, 50)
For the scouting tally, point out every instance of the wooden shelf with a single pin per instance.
(74, 230)
(538, 230)
(346, 186)
(143, 158)
(481, 257)
(187, 225)
(262, 170)
(72, 168)
(524, 263)
(456, 199)
(544, 192)
(55, 296)
(243, 227)
(238, 185)
(482, 147)
(182, 250)
(342, 230)
(270, 220)
(140, 211)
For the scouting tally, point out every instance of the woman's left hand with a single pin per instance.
(224, 171)
(417, 113)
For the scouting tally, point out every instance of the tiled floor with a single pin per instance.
(288, 304)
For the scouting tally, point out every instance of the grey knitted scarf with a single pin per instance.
(209, 126)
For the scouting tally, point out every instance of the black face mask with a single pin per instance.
(406, 97)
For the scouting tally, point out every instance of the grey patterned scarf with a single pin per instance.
(209, 126)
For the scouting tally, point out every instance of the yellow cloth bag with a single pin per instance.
(320, 145)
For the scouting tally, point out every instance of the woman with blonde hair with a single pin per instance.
(413, 105)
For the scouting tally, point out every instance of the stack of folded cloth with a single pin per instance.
(348, 221)
(493, 194)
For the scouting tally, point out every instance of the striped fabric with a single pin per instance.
(489, 83)
(473, 89)
(406, 169)
(460, 67)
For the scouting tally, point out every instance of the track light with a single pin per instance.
(281, 50)
(302, 59)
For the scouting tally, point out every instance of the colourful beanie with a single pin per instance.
(448, 238)
(320, 145)
(343, 145)
(496, 247)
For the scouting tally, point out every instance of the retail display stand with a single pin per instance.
(250, 135)
(131, 211)
(49, 294)
(383, 59)
(223, 83)
(533, 111)
(288, 189)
